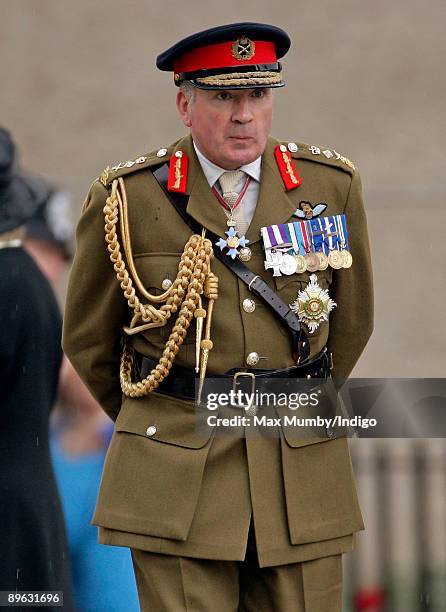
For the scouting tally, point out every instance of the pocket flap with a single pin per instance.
(312, 424)
(163, 418)
(154, 268)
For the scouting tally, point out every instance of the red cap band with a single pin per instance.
(221, 56)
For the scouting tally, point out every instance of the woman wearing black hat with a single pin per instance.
(34, 555)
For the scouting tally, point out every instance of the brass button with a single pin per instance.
(252, 359)
(249, 305)
(151, 430)
(166, 284)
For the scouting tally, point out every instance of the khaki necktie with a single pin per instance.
(228, 182)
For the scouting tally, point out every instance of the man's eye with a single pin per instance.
(258, 93)
(223, 95)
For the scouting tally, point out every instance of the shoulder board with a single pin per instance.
(324, 155)
(110, 173)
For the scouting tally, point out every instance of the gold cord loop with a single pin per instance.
(194, 279)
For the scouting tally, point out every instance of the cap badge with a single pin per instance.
(243, 48)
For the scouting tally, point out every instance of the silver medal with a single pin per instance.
(273, 260)
(288, 265)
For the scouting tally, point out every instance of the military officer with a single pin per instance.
(192, 261)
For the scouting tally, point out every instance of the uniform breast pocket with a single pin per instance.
(288, 287)
(157, 272)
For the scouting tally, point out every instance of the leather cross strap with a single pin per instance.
(256, 284)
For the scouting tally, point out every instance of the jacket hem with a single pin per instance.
(267, 558)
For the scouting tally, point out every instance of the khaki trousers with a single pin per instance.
(169, 583)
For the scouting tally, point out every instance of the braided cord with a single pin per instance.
(242, 78)
(193, 279)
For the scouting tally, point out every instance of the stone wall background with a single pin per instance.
(79, 90)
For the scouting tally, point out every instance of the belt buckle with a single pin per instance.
(249, 408)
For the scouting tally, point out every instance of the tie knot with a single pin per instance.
(228, 182)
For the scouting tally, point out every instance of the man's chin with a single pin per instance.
(242, 154)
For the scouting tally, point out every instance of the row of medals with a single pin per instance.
(313, 262)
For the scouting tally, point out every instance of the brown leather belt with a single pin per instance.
(181, 381)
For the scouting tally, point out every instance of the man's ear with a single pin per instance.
(183, 106)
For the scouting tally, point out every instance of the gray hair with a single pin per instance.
(188, 89)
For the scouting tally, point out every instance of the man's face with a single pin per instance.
(230, 127)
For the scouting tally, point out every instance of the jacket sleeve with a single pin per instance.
(351, 322)
(96, 309)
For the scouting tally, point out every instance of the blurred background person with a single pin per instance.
(102, 576)
(34, 553)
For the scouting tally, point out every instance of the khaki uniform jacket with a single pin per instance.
(179, 492)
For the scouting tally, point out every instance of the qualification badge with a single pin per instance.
(232, 242)
(306, 210)
(313, 305)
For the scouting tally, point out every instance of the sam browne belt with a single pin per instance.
(181, 381)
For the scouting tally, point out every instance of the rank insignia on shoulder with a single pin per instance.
(307, 211)
(329, 154)
(129, 164)
(313, 305)
(178, 167)
(287, 167)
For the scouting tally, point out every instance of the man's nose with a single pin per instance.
(242, 112)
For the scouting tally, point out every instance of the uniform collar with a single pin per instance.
(273, 206)
(213, 172)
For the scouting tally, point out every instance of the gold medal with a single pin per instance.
(312, 262)
(301, 263)
(347, 258)
(335, 259)
(313, 305)
(323, 260)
